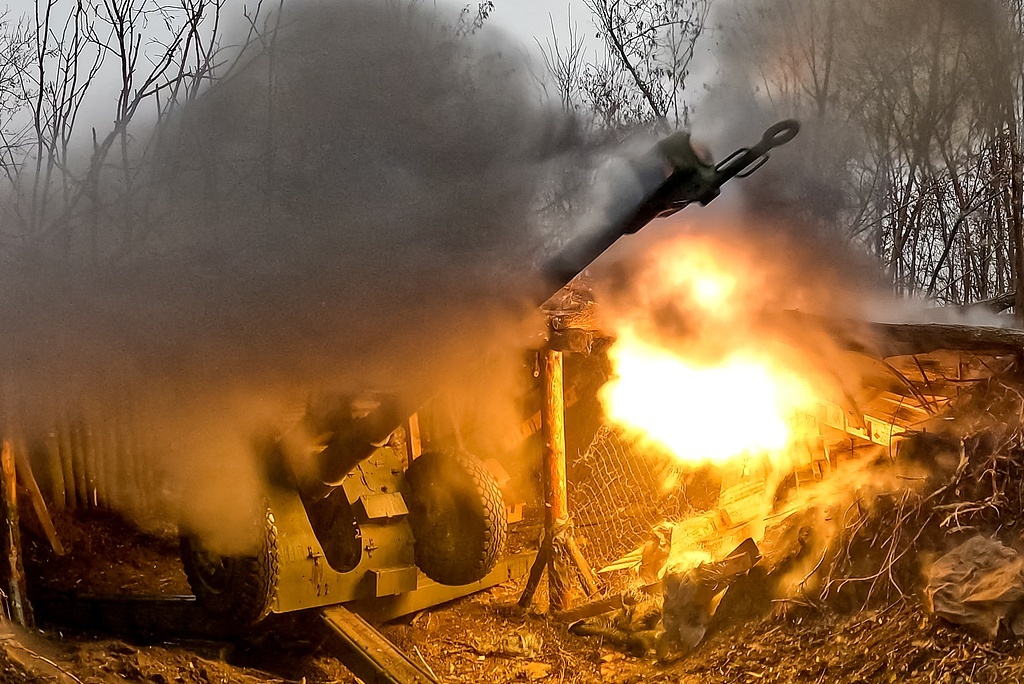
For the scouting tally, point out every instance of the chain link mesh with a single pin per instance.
(619, 490)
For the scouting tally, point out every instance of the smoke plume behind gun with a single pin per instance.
(351, 209)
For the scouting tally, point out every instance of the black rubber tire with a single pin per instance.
(457, 516)
(235, 592)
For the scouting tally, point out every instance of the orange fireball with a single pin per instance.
(712, 390)
(741, 405)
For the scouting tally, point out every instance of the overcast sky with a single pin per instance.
(530, 19)
(523, 18)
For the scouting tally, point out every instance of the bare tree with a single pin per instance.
(913, 106)
(15, 128)
(640, 78)
(61, 60)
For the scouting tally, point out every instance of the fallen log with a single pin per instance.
(898, 339)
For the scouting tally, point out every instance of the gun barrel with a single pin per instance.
(745, 161)
(671, 175)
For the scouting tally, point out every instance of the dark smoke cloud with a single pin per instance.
(351, 209)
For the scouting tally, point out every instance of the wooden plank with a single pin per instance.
(25, 474)
(587, 577)
(369, 654)
(415, 441)
(885, 340)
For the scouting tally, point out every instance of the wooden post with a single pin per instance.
(559, 551)
(555, 494)
(21, 611)
(415, 442)
(536, 573)
(587, 577)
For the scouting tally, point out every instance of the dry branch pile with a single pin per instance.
(970, 480)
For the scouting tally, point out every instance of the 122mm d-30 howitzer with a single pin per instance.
(359, 511)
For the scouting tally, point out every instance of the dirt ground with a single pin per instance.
(896, 645)
(483, 638)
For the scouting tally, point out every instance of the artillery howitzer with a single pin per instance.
(357, 509)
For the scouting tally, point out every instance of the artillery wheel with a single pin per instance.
(235, 591)
(457, 516)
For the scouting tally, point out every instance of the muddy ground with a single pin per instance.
(483, 638)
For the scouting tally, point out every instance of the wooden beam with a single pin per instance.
(587, 577)
(24, 471)
(415, 443)
(556, 498)
(898, 339)
(369, 654)
(536, 573)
